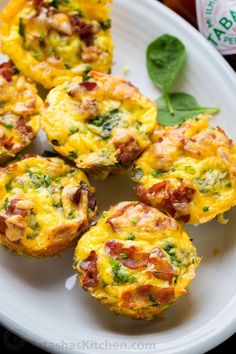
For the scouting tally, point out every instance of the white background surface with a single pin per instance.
(39, 298)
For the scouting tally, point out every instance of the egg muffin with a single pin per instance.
(189, 171)
(136, 261)
(45, 205)
(53, 40)
(102, 124)
(19, 112)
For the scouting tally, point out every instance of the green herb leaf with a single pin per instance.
(57, 3)
(131, 237)
(38, 180)
(71, 215)
(32, 236)
(170, 249)
(108, 122)
(8, 125)
(72, 155)
(165, 57)
(119, 274)
(36, 56)
(5, 204)
(47, 180)
(184, 106)
(21, 28)
(123, 255)
(106, 24)
(85, 75)
(205, 208)
(74, 130)
(190, 169)
(8, 186)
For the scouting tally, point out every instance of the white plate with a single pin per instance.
(39, 298)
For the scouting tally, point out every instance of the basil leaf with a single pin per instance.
(165, 57)
(184, 107)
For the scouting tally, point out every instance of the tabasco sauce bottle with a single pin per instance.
(215, 19)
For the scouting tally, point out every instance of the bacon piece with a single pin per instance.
(88, 39)
(85, 30)
(91, 196)
(118, 213)
(128, 151)
(142, 194)
(91, 200)
(3, 225)
(32, 104)
(23, 128)
(174, 201)
(38, 4)
(147, 294)
(77, 91)
(90, 86)
(77, 195)
(207, 142)
(7, 70)
(13, 210)
(7, 143)
(163, 270)
(185, 218)
(146, 218)
(156, 188)
(89, 271)
(81, 27)
(136, 259)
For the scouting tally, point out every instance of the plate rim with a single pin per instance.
(227, 327)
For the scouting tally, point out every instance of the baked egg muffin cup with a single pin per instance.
(136, 260)
(45, 205)
(189, 171)
(51, 41)
(102, 124)
(19, 111)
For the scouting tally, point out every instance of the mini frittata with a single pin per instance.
(53, 40)
(137, 261)
(19, 112)
(189, 171)
(45, 205)
(102, 124)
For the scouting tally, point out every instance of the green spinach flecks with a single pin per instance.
(120, 276)
(170, 249)
(107, 122)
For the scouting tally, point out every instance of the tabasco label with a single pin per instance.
(217, 22)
